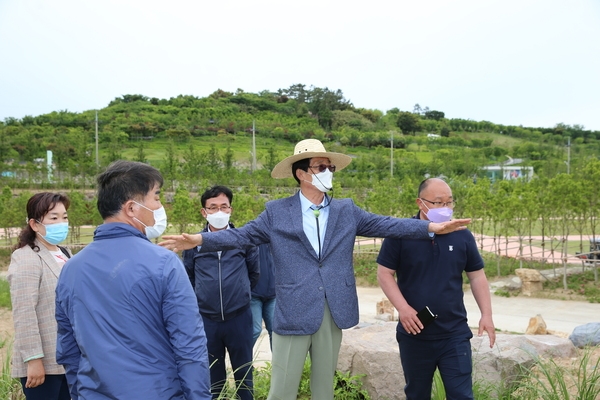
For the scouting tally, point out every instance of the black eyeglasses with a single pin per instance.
(323, 167)
(449, 204)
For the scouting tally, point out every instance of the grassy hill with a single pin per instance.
(210, 137)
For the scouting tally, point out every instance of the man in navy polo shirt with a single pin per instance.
(429, 283)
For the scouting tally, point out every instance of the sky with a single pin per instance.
(534, 63)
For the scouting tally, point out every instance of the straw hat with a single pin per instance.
(309, 148)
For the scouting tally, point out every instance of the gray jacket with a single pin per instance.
(302, 281)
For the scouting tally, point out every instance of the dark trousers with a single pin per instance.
(420, 358)
(235, 335)
(54, 388)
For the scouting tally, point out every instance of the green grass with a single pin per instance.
(346, 386)
(240, 144)
(583, 284)
(545, 380)
(438, 392)
(5, 294)
(549, 381)
(365, 268)
(10, 388)
(498, 139)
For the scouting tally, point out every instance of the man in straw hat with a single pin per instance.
(312, 239)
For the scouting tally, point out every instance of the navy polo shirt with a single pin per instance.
(429, 273)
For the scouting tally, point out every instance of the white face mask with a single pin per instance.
(218, 220)
(323, 180)
(160, 222)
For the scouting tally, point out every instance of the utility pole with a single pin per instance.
(97, 162)
(253, 147)
(569, 155)
(392, 154)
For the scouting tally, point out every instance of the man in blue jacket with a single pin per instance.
(263, 294)
(312, 240)
(222, 282)
(128, 322)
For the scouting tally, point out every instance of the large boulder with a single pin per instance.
(531, 280)
(586, 335)
(372, 351)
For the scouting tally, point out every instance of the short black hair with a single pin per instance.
(123, 181)
(300, 164)
(216, 191)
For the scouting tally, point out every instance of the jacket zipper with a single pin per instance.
(221, 288)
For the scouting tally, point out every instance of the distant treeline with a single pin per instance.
(287, 115)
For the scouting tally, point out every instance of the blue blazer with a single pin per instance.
(302, 281)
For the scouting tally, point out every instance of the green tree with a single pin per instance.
(435, 115)
(228, 158)
(564, 188)
(6, 212)
(170, 166)
(13, 212)
(183, 210)
(407, 122)
(247, 204)
(141, 153)
(115, 143)
(179, 134)
(193, 166)
(271, 159)
(213, 158)
(79, 215)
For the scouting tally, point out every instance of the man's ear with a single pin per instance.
(128, 208)
(299, 174)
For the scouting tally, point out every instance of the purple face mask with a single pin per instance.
(439, 214)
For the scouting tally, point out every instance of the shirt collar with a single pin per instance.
(307, 204)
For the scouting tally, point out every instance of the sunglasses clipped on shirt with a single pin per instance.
(323, 167)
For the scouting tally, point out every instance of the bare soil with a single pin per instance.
(6, 323)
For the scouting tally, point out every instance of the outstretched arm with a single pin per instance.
(481, 292)
(441, 228)
(406, 314)
(185, 241)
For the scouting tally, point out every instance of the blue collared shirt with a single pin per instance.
(309, 222)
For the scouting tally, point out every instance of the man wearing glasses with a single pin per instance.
(222, 282)
(312, 240)
(432, 330)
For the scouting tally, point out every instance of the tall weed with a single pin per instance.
(10, 388)
(5, 294)
(549, 381)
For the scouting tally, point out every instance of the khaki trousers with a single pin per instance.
(289, 354)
